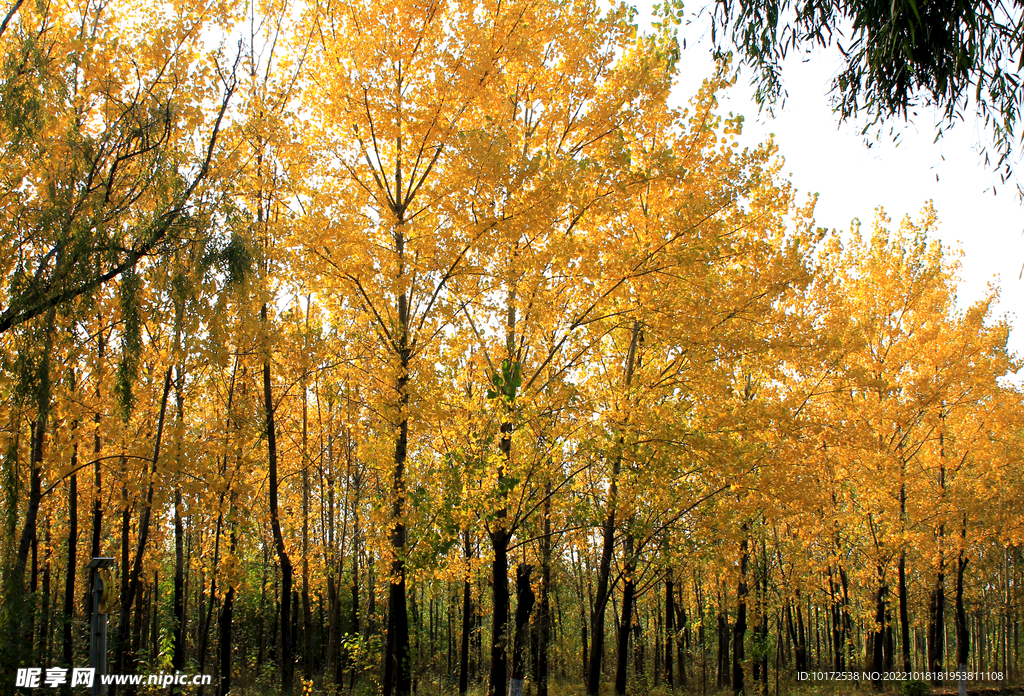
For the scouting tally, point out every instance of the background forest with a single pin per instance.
(422, 346)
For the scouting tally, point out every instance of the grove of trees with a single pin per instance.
(424, 346)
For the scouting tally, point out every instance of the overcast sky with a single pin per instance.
(852, 179)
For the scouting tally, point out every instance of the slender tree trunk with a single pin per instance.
(608, 541)
(356, 536)
(287, 661)
(904, 612)
(206, 620)
(499, 627)
(307, 616)
(136, 571)
(45, 608)
(724, 677)
(544, 615)
(72, 565)
(800, 641)
(846, 644)
(155, 624)
(524, 606)
(178, 599)
(670, 627)
(261, 642)
(626, 621)
(936, 626)
(963, 646)
(397, 667)
(97, 471)
(878, 635)
(226, 617)
(467, 617)
(397, 657)
(97, 501)
(682, 638)
(739, 629)
(15, 599)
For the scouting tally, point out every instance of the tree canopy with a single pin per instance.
(954, 56)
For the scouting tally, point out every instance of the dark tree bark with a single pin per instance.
(397, 657)
(356, 537)
(544, 615)
(307, 615)
(682, 639)
(226, 617)
(178, 599)
(797, 634)
(135, 575)
(72, 565)
(724, 676)
(608, 544)
(287, 661)
(878, 635)
(499, 579)
(670, 627)
(467, 618)
(524, 607)
(963, 642)
(16, 600)
(739, 629)
(626, 620)
(904, 613)
(97, 502)
(45, 606)
(937, 615)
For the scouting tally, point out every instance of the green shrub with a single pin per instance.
(914, 687)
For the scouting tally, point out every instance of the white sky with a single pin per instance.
(851, 179)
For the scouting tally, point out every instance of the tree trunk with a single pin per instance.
(467, 618)
(72, 567)
(626, 621)
(226, 616)
(15, 600)
(136, 571)
(397, 657)
(739, 629)
(608, 543)
(97, 502)
(936, 624)
(307, 616)
(287, 661)
(878, 635)
(670, 627)
(904, 613)
(724, 676)
(45, 608)
(178, 600)
(524, 606)
(499, 626)
(801, 637)
(963, 646)
(544, 616)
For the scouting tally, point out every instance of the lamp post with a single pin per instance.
(101, 584)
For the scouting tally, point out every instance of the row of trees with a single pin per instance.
(331, 333)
